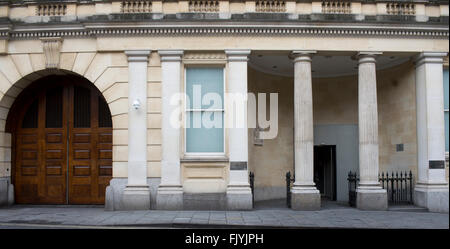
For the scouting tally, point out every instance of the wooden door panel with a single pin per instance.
(27, 168)
(54, 169)
(54, 138)
(28, 138)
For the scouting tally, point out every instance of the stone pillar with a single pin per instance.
(305, 195)
(136, 195)
(239, 194)
(170, 191)
(6, 186)
(6, 191)
(431, 190)
(369, 193)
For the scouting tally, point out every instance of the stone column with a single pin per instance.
(239, 194)
(170, 191)
(431, 190)
(305, 195)
(136, 195)
(369, 193)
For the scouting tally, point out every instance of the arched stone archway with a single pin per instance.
(9, 92)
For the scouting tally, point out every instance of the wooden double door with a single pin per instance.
(62, 143)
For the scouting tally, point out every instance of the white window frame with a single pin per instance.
(186, 111)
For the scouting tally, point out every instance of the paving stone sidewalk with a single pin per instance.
(270, 218)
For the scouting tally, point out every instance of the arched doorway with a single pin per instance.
(61, 142)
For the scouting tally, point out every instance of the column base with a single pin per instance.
(6, 192)
(205, 201)
(305, 198)
(371, 198)
(116, 188)
(239, 198)
(432, 197)
(136, 197)
(169, 198)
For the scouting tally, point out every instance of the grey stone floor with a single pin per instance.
(332, 215)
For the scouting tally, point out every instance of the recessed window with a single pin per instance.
(204, 110)
(54, 108)
(82, 107)
(104, 115)
(30, 119)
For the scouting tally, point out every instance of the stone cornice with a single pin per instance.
(216, 29)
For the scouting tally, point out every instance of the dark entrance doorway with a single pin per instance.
(62, 142)
(325, 170)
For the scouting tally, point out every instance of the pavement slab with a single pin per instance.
(340, 217)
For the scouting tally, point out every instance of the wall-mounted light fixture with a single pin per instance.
(136, 104)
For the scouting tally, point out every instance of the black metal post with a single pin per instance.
(392, 186)
(411, 187)
(401, 186)
(252, 186)
(288, 189)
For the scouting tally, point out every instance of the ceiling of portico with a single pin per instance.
(323, 65)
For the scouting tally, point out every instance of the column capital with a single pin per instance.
(430, 57)
(237, 54)
(303, 52)
(302, 55)
(369, 53)
(138, 55)
(367, 57)
(170, 54)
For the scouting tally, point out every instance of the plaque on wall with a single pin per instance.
(238, 165)
(437, 164)
(256, 140)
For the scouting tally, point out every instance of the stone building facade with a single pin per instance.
(86, 101)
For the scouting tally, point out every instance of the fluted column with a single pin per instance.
(370, 194)
(239, 195)
(431, 190)
(170, 191)
(136, 195)
(305, 195)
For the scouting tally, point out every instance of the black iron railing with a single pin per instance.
(289, 180)
(251, 177)
(399, 187)
(352, 184)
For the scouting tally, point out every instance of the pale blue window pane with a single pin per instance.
(445, 88)
(202, 139)
(446, 131)
(210, 80)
